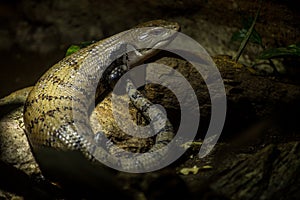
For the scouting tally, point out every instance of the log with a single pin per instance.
(256, 158)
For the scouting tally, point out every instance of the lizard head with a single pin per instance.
(141, 43)
(149, 38)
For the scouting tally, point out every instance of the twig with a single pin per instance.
(247, 37)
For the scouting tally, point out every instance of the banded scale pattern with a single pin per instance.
(57, 108)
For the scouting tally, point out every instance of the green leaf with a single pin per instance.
(291, 50)
(72, 49)
(256, 38)
(241, 34)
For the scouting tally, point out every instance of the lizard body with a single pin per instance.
(57, 108)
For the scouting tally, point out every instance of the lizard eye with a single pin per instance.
(157, 31)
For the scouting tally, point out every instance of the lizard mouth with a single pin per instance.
(165, 41)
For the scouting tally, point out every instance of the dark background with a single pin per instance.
(35, 34)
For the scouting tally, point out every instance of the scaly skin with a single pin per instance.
(56, 111)
(17, 97)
